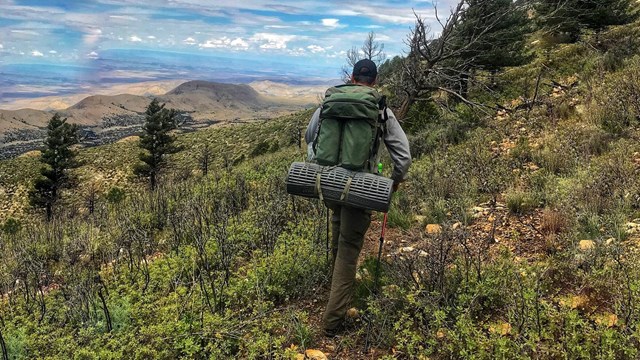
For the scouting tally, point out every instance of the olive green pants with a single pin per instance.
(349, 226)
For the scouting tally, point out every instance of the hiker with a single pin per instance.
(349, 224)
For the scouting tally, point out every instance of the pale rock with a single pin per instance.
(353, 313)
(311, 354)
(610, 241)
(632, 227)
(423, 253)
(607, 319)
(433, 229)
(419, 218)
(407, 249)
(456, 226)
(503, 329)
(586, 245)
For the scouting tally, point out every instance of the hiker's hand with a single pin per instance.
(396, 185)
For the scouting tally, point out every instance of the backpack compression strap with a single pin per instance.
(383, 116)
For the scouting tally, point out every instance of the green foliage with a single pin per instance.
(11, 226)
(115, 195)
(156, 141)
(616, 105)
(399, 215)
(430, 129)
(520, 202)
(565, 20)
(262, 148)
(229, 266)
(503, 43)
(58, 158)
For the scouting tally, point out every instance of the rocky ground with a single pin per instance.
(527, 236)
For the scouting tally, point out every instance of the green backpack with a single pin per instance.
(350, 127)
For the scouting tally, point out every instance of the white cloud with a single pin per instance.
(189, 41)
(297, 52)
(330, 22)
(134, 38)
(238, 43)
(92, 55)
(25, 32)
(91, 36)
(151, 37)
(345, 12)
(316, 49)
(36, 53)
(225, 42)
(272, 41)
(278, 27)
(52, 52)
(1, 47)
(123, 17)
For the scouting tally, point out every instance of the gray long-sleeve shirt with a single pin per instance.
(394, 139)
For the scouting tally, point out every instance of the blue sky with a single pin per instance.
(159, 39)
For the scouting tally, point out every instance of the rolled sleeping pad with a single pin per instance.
(357, 189)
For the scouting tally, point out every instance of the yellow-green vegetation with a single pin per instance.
(536, 255)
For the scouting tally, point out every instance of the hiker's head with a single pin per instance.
(364, 72)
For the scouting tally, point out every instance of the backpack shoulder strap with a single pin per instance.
(382, 105)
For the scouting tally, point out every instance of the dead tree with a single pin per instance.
(370, 49)
(438, 64)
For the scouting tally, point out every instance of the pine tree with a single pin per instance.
(157, 141)
(565, 19)
(58, 158)
(497, 30)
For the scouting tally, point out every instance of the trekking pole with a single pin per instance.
(377, 274)
(376, 277)
(384, 225)
(327, 209)
(376, 280)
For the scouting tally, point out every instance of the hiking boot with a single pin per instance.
(331, 333)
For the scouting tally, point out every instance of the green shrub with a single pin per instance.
(399, 215)
(11, 226)
(115, 195)
(520, 202)
(616, 105)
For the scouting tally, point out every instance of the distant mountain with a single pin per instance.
(203, 99)
(107, 118)
(204, 96)
(23, 119)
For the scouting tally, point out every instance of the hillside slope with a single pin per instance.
(516, 236)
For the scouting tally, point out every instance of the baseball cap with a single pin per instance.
(365, 67)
